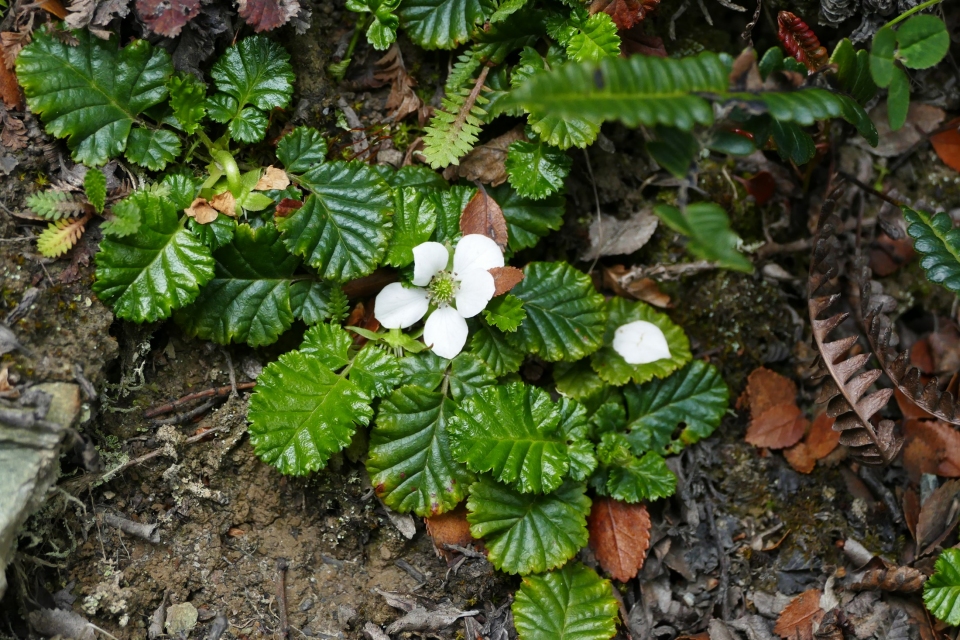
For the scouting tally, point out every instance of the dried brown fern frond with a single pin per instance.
(845, 390)
(896, 364)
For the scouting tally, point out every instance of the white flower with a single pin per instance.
(460, 293)
(640, 342)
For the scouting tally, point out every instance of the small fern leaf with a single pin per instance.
(939, 243)
(54, 205)
(60, 236)
(454, 129)
(95, 188)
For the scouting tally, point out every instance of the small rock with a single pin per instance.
(306, 604)
(346, 615)
(181, 618)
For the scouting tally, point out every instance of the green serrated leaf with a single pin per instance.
(626, 477)
(329, 343)
(382, 31)
(881, 56)
(506, 9)
(708, 227)
(95, 188)
(608, 418)
(375, 371)
(536, 170)
(611, 366)
(301, 149)
(414, 219)
(93, 92)
(214, 234)
(424, 370)
(695, 396)
(938, 242)
(565, 315)
(410, 463)
(575, 427)
(570, 604)
(248, 299)
(54, 205)
(596, 39)
(511, 432)
(343, 227)
(188, 97)
(301, 413)
(491, 346)
(152, 148)
(449, 206)
(941, 592)
(528, 533)
(468, 375)
(312, 300)
(922, 42)
(181, 189)
(527, 220)
(145, 276)
(898, 99)
(124, 220)
(412, 176)
(577, 379)
(505, 313)
(443, 24)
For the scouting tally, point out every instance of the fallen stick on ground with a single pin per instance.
(206, 393)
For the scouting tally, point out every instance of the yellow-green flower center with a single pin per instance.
(442, 288)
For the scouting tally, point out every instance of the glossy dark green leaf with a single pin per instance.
(731, 143)
(449, 206)
(443, 24)
(536, 169)
(375, 371)
(214, 234)
(577, 379)
(188, 97)
(528, 533)
(468, 375)
(491, 346)
(674, 150)
(527, 220)
(152, 148)
(414, 219)
(255, 71)
(853, 71)
(312, 300)
(771, 61)
(793, 143)
(505, 313)
(301, 149)
(329, 343)
(881, 56)
(938, 243)
(572, 603)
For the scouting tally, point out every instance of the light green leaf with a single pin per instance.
(248, 299)
(414, 219)
(565, 315)
(443, 24)
(328, 343)
(188, 97)
(695, 396)
(91, 93)
(301, 413)
(54, 205)
(506, 9)
(938, 242)
(611, 366)
(708, 227)
(527, 220)
(313, 300)
(528, 533)
(898, 99)
(941, 592)
(595, 39)
(491, 346)
(375, 371)
(570, 604)
(922, 42)
(152, 148)
(511, 431)
(505, 313)
(410, 463)
(881, 56)
(145, 276)
(536, 170)
(255, 71)
(301, 149)
(125, 218)
(343, 226)
(95, 188)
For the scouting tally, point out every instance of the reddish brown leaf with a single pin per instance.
(225, 203)
(201, 211)
(762, 186)
(634, 41)
(799, 457)
(822, 438)
(484, 216)
(938, 516)
(798, 619)
(947, 144)
(777, 427)
(644, 289)
(166, 17)
(911, 510)
(625, 13)
(505, 279)
(486, 163)
(888, 255)
(54, 7)
(286, 206)
(800, 41)
(449, 528)
(766, 389)
(619, 536)
(909, 409)
(9, 89)
(265, 15)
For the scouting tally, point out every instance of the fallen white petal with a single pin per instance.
(476, 289)
(445, 331)
(475, 251)
(429, 259)
(398, 307)
(640, 342)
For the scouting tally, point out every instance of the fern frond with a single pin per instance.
(54, 205)
(339, 305)
(59, 237)
(454, 128)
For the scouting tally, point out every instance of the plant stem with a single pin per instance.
(230, 169)
(906, 14)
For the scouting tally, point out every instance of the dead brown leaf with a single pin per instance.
(625, 13)
(887, 577)
(201, 211)
(645, 289)
(11, 42)
(484, 216)
(911, 510)
(932, 446)
(403, 100)
(286, 206)
(777, 427)
(766, 389)
(938, 516)
(505, 279)
(14, 135)
(273, 178)
(619, 536)
(266, 15)
(798, 619)
(485, 164)
(610, 236)
(225, 203)
(54, 7)
(449, 528)
(922, 119)
(9, 89)
(819, 442)
(166, 17)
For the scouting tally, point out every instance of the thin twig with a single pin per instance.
(233, 375)
(190, 397)
(849, 178)
(186, 416)
(282, 567)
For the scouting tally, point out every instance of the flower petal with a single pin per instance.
(445, 331)
(398, 307)
(429, 259)
(640, 342)
(475, 251)
(476, 289)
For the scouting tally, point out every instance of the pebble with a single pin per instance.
(306, 604)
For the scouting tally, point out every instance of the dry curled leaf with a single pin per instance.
(167, 17)
(11, 43)
(505, 279)
(798, 619)
(619, 279)
(922, 119)
(888, 578)
(931, 446)
(9, 89)
(938, 516)
(286, 206)
(14, 135)
(225, 203)
(625, 13)
(201, 211)
(619, 536)
(484, 216)
(403, 100)
(266, 15)
(449, 528)
(273, 178)
(485, 163)
(777, 427)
